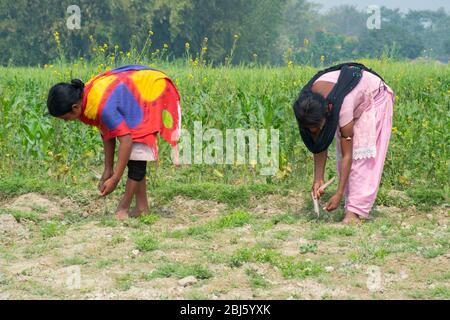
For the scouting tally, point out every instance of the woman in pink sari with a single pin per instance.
(362, 132)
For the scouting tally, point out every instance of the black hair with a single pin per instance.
(63, 96)
(310, 109)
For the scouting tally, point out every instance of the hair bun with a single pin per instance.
(77, 83)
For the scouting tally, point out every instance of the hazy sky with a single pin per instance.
(403, 5)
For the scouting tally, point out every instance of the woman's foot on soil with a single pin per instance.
(351, 218)
(122, 214)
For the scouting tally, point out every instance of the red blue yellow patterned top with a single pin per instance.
(134, 100)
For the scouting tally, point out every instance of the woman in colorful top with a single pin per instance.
(362, 129)
(131, 104)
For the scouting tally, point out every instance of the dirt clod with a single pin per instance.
(33, 202)
(188, 281)
(11, 230)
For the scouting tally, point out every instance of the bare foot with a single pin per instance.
(351, 218)
(122, 214)
(136, 212)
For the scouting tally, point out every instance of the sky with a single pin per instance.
(403, 5)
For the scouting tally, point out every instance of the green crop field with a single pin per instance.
(227, 98)
(241, 234)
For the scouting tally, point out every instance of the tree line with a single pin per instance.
(232, 31)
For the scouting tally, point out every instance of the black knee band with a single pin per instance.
(137, 170)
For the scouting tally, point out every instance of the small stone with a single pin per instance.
(403, 275)
(329, 269)
(429, 216)
(374, 279)
(188, 281)
(135, 252)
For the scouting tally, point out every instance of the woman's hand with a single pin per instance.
(109, 186)
(107, 173)
(316, 191)
(334, 202)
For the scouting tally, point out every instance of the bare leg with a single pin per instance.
(124, 205)
(141, 200)
(351, 218)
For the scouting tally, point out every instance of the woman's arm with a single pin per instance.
(109, 148)
(125, 146)
(320, 160)
(346, 163)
